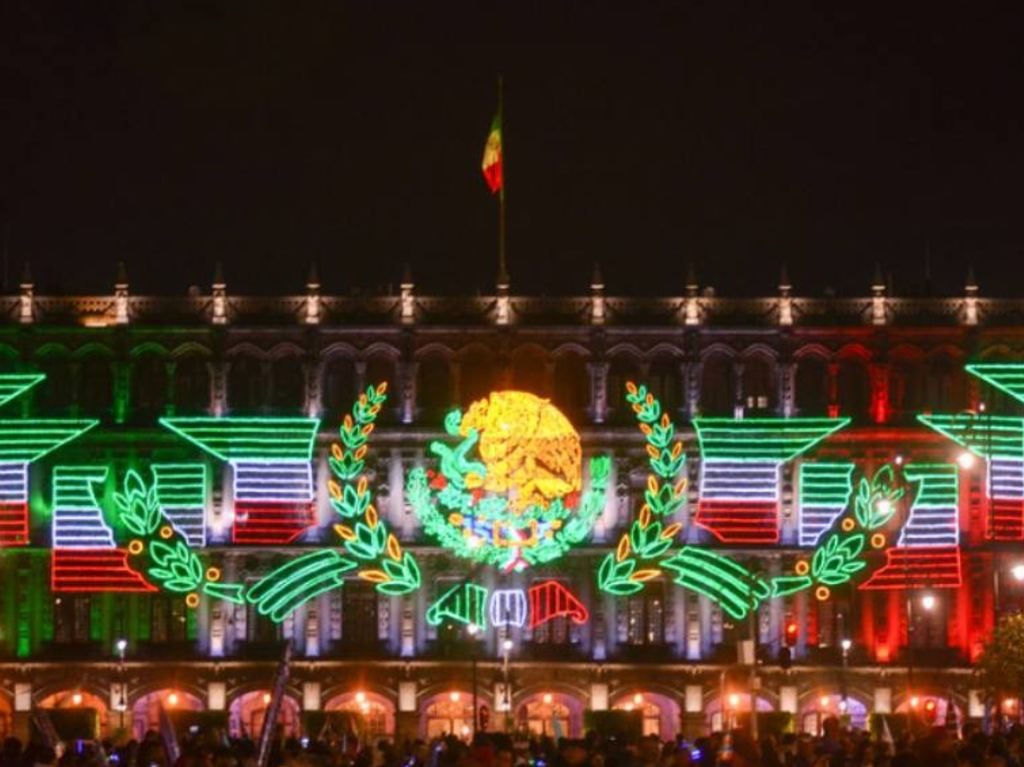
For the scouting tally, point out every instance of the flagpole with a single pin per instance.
(502, 262)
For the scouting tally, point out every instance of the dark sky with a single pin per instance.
(735, 135)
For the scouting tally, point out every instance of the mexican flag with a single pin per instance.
(491, 165)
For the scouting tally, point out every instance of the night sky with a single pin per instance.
(642, 136)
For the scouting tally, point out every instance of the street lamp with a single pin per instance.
(928, 602)
(966, 460)
(1017, 571)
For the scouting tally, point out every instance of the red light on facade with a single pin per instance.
(272, 524)
(740, 521)
(552, 599)
(792, 633)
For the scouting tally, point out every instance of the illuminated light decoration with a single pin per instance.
(366, 536)
(14, 529)
(463, 603)
(1006, 482)
(273, 501)
(928, 555)
(550, 600)
(825, 490)
(283, 590)
(255, 439)
(635, 560)
(159, 549)
(1000, 441)
(933, 515)
(1007, 377)
(13, 385)
(84, 556)
(508, 492)
(739, 494)
(270, 461)
(720, 579)
(181, 493)
(508, 608)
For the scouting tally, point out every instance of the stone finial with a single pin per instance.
(220, 296)
(597, 303)
(407, 299)
(503, 307)
(26, 309)
(312, 296)
(878, 297)
(785, 299)
(970, 298)
(121, 294)
(691, 306)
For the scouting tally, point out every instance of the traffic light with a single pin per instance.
(792, 633)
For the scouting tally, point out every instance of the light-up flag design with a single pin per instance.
(825, 490)
(927, 554)
(739, 491)
(272, 476)
(22, 442)
(999, 440)
(181, 493)
(85, 557)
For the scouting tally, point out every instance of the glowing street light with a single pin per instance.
(1017, 571)
(928, 601)
(965, 459)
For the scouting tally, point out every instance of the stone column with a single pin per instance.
(170, 370)
(122, 390)
(786, 376)
(407, 391)
(598, 372)
(737, 397)
(218, 372)
(313, 374)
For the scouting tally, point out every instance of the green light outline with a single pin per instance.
(19, 383)
(180, 426)
(985, 370)
(755, 430)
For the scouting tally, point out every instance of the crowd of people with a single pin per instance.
(835, 747)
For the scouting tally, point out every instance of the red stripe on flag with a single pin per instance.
(934, 567)
(271, 523)
(1006, 521)
(740, 521)
(94, 570)
(13, 524)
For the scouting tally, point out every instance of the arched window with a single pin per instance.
(53, 396)
(623, 368)
(149, 387)
(339, 386)
(665, 382)
(716, 386)
(854, 388)
(245, 385)
(907, 387)
(434, 396)
(529, 371)
(945, 385)
(287, 385)
(96, 387)
(451, 715)
(812, 386)
(758, 384)
(191, 385)
(477, 376)
(571, 391)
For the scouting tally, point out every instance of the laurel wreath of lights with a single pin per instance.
(158, 549)
(464, 519)
(646, 549)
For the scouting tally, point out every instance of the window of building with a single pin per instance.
(191, 386)
(245, 385)
(645, 616)
(168, 620)
(149, 387)
(716, 386)
(72, 619)
(287, 385)
(434, 396)
(571, 385)
(812, 386)
(96, 387)
(359, 614)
